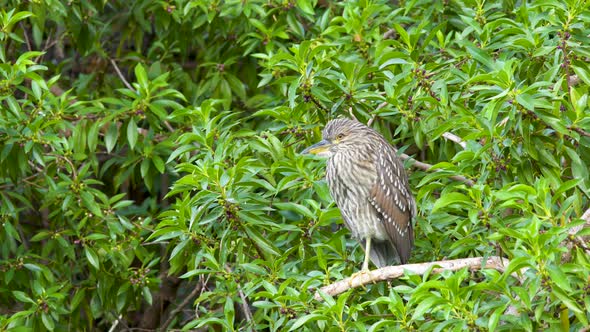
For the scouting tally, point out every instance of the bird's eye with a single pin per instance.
(340, 136)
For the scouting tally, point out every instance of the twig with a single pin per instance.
(317, 103)
(245, 306)
(168, 126)
(580, 241)
(115, 323)
(380, 106)
(181, 306)
(454, 138)
(586, 218)
(203, 287)
(352, 114)
(394, 272)
(389, 33)
(427, 167)
(121, 75)
(580, 131)
(28, 42)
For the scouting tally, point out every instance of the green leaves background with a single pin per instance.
(150, 175)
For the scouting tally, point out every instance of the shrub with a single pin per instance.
(150, 174)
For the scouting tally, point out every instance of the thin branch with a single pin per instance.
(394, 272)
(317, 103)
(419, 164)
(389, 33)
(380, 106)
(115, 323)
(454, 138)
(181, 306)
(28, 42)
(203, 287)
(168, 126)
(351, 114)
(580, 131)
(245, 306)
(121, 75)
(427, 167)
(580, 241)
(586, 218)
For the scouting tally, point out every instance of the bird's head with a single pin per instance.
(338, 135)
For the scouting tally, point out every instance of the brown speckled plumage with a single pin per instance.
(370, 186)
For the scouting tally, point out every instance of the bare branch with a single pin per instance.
(580, 131)
(115, 323)
(245, 307)
(29, 48)
(575, 240)
(380, 106)
(121, 75)
(389, 34)
(198, 288)
(394, 272)
(454, 138)
(427, 167)
(352, 114)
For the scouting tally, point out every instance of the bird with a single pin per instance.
(370, 186)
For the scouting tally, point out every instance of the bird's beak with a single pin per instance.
(320, 148)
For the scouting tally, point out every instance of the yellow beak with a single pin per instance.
(321, 147)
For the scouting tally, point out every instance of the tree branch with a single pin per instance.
(121, 75)
(245, 306)
(394, 272)
(426, 167)
(575, 240)
(198, 288)
(454, 138)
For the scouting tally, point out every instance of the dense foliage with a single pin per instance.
(150, 175)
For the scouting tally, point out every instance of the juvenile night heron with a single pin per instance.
(370, 186)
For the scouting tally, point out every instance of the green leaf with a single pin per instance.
(571, 304)
(158, 163)
(141, 76)
(92, 257)
(77, 299)
(132, 133)
(480, 56)
(559, 278)
(11, 231)
(261, 242)
(92, 139)
(302, 210)
(111, 137)
(48, 321)
(21, 296)
(526, 100)
(305, 6)
(144, 167)
(307, 319)
(90, 203)
(147, 295)
(451, 198)
(582, 73)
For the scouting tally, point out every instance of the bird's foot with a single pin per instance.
(362, 273)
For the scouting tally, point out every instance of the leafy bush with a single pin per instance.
(150, 175)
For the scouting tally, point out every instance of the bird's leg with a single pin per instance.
(365, 268)
(367, 254)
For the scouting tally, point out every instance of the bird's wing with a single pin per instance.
(391, 197)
